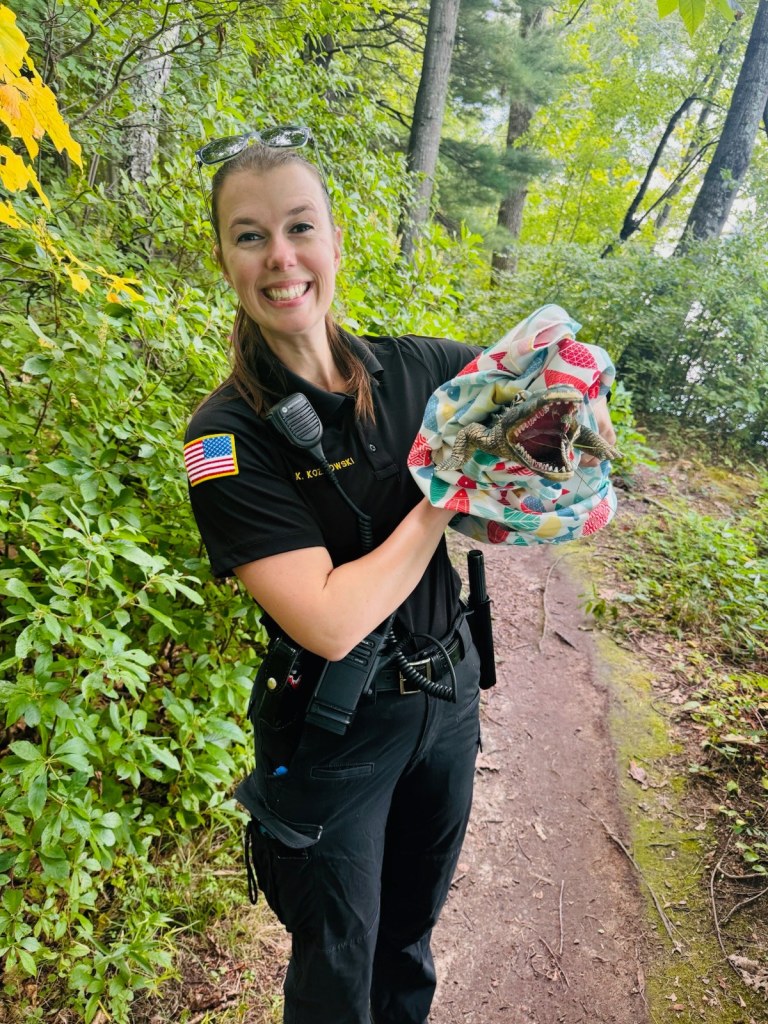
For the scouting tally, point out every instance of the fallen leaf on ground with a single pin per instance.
(753, 974)
(638, 774)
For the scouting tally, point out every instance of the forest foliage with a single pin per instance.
(124, 669)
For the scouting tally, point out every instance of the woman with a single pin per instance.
(355, 831)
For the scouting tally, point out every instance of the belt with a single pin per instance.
(430, 663)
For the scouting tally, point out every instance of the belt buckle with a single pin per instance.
(424, 666)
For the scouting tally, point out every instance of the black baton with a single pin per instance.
(479, 618)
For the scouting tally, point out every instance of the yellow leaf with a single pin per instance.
(44, 110)
(9, 216)
(78, 280)
(75, 259)
(13, 45)
(122, 284)
(28, 107)
(16, 175)
(19, 118)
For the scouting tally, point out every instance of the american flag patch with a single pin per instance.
(209, 457)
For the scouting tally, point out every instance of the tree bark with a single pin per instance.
(424, 141)
(510, 215)
(730, 162)
(147, 88)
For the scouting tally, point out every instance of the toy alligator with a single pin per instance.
(539, 430)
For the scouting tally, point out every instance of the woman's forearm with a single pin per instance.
(329, 609)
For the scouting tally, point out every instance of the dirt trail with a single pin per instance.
(545, 922)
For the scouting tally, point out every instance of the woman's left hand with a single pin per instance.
(602, 416)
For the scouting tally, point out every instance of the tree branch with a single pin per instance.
(117, 82)
(398, 115)
(575, 14)
(630, 225)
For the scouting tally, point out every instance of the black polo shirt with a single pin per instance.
(253, 494)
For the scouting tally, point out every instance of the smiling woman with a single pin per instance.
(357, 818)
(279, 250)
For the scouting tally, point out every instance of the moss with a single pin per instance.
(670, 844)
(727, 483)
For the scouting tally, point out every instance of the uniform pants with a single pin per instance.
(393, 797)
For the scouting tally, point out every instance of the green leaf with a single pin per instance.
(162, 618)
(80, 976)
(15, 588)
(89, 488)
(163, 756)
(16, 823)
(110, 820)
(34, 557)
(105, 836)
(37, 366)
(27, 961)
(692, 13)
(193, 596)
(7, 860)
(76, 762)
(74, 753)
(117, 310)
(26, 751)
(135, 554)
(38, 794)
(55, 867)
(666, 7)
(75, 745)
(12, 900)
(27, 640)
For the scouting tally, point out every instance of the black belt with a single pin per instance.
(429, 662)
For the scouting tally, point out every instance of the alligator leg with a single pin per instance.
(466, 443)
(589, 441)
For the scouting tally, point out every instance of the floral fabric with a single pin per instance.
(504, 502)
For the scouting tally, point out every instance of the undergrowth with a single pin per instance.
(694, 566)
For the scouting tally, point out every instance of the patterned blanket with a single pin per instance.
(501, 502)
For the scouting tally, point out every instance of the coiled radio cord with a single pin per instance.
(432, 687)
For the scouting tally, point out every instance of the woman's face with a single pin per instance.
(279, 251)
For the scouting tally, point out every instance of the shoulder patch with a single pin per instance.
(209, 457)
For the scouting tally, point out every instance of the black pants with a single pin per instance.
(393, 797)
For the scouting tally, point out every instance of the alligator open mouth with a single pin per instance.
(540, 431)
(544, 441)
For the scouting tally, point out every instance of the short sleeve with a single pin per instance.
(243, 498)
(442, 358)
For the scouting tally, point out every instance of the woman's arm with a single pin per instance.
(328, 610)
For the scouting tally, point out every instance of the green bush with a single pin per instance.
(704, 578)
(688, 335)
(122, 677)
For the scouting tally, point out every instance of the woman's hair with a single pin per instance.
(253, 362)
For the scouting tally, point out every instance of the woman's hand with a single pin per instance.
(605, 429)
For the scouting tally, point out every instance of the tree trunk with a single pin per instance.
(147, 88)
(424, 141)
(729, 165)
(510, 215)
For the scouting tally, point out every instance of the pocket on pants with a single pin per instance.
(270, 839)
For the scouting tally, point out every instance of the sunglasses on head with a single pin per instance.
(287, 136)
